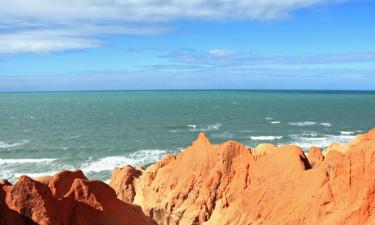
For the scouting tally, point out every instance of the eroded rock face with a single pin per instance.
(68, 199)
(315, 156)
(215, 184)
(122, 181)
(61, 182)
(231, 184)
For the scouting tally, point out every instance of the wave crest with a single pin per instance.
(19, 161)
(346, 132)
(265, 138)
(141, 157)
(302, 124)
(7, 145)
(321, 141)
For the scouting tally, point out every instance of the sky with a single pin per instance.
(59, 45)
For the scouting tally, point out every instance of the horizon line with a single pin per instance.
(191, 90)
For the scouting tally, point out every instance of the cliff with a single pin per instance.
(67, 198)
(231, 184)
(210, 184)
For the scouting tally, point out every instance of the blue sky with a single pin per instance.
(56, 45)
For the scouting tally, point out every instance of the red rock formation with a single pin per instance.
(210, 184)
(69, 199)
(61, 182)
(230, 184)
(315, 156)
(122, 179)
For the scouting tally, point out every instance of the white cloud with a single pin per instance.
(150, 10)
(226, 57)
(91, 18)
(42, 42)
(221, 52)
(56, 40)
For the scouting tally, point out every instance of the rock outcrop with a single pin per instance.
(209, 184)
(68, 199)
(315, 156)
(231, 184)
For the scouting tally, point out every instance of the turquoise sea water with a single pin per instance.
(41, 133)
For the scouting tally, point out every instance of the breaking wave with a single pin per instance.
(141, 157)
(265, 138)
(212, 127)
(19, 161)
(224, 135)
(302, 124)
(326, 124)
(7, 145)
(323, 141)
(346, 132)
(38, 174)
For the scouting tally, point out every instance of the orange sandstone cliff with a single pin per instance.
(209, 184)
(67, 198)
(222, 184)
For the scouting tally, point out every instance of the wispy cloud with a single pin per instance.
(225, 57)
(42, 42)
(221, 52)
(163, 77)
(150, 11)
(45, 40)
(57, 25)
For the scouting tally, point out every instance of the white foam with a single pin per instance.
(73, 137)
(225, 134)
(6, 174)
(19, 161)
(211, 127)
(268, 118)
(265, 138)
(6, 145)
(302, 124)
(326, 124)
(215, 126)
(322, 142)
(37, 174)
(346, 132)
(141, 157)
(313, 138)
(275, 122)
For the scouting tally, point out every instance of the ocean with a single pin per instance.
(42, 133)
